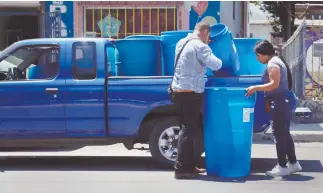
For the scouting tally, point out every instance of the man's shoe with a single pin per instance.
(199, 170)
(186, 175)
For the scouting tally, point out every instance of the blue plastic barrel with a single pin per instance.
(151, 37)
(249, 65)
(139, 57)
(43, 71)
(169, 40)
(228, 122)
(223, 47)
(112, 54)
(261, 118)
(34, 72)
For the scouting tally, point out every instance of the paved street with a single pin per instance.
(115, 169)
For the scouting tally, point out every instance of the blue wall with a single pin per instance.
(213, 10)
(67, 11)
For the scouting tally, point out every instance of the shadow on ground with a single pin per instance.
(258, 166)
(257, 177)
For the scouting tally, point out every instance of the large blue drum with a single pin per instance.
(139, 57)
(228, 122)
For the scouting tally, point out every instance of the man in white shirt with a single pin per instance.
(188, 86)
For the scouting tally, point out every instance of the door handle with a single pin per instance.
(52, 90)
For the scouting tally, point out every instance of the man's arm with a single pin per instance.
(206, 56)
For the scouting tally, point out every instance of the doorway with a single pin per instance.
(18, 27)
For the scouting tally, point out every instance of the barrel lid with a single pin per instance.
(218, 30)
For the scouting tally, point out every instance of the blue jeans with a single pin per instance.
(282, 107)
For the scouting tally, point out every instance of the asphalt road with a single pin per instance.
(116, 170)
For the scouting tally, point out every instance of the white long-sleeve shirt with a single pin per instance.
(192, 64)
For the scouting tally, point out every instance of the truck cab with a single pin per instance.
(60, 92)
(53, 88)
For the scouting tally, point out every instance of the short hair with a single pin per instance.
(202, 26)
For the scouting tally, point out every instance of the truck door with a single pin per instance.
(85, 90)
(31, 104)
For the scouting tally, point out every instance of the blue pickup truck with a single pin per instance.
(59, 92)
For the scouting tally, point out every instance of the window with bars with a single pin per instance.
(131, 21)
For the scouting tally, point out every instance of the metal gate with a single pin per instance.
(294, 53)
(314, 60)
(120, 22)
(53, 24)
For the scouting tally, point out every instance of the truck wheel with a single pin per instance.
(164, 138)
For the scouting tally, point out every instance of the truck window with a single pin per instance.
(40, 62)
(84, 61)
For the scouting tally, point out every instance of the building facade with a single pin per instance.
(234, 14)
(260, 23)
(59, 24)
(118, 19)
(19, 20)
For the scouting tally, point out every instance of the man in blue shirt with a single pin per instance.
(188, 86)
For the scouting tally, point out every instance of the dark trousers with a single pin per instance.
(281, 113)
(188, 106)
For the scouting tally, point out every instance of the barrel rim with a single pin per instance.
(220, 33)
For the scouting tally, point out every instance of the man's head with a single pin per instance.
(202, 30)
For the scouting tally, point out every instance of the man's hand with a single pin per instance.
(207, 41)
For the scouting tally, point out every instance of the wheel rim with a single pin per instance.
(167, 143)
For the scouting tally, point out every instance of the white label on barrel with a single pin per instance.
(246, 115)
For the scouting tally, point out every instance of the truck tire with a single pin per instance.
(163, 141)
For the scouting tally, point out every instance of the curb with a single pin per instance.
(307, 136)
(298, 136)
(305, 133)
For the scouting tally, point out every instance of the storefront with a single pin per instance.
(120, 19)
(18, 21)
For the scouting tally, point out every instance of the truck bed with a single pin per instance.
(130, 98)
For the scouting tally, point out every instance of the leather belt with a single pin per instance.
(184, 91)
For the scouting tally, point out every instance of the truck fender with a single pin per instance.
(155, 110)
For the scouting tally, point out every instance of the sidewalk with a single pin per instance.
(300, 133)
